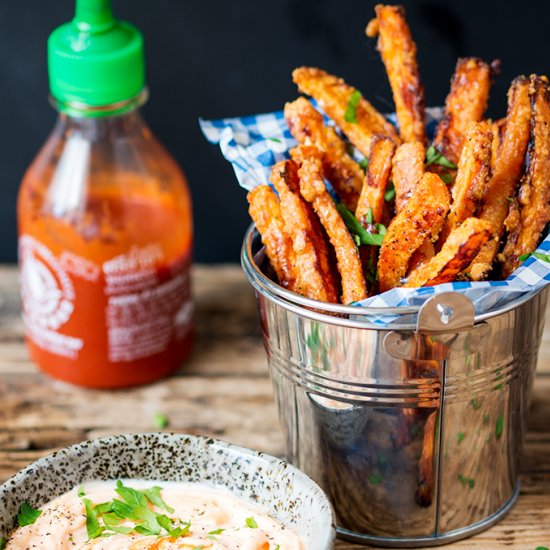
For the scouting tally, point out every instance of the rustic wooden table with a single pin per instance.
(223, 391)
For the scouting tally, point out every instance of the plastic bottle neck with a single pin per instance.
(107, 127)
(84, 111)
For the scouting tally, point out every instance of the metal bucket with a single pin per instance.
(414, 433)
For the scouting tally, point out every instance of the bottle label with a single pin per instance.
(145, 310)
(48, 298)
(144, 303)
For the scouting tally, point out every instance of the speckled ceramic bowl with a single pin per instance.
(286, 492)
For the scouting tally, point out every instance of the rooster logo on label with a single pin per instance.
(47, 292)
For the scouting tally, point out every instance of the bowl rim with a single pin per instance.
(8, 486)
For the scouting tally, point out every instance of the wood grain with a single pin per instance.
(223, 391)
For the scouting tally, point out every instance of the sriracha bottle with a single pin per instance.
(104, 215)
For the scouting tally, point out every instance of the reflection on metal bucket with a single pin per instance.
(416, 434)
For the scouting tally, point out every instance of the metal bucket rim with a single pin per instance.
(315, 310)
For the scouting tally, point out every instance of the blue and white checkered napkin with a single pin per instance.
(253, 144)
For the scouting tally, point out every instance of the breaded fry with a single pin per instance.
(313, 190)
(334, 95)
(326, 255)
(398, 52)
(534, 194)
(474, 167)
(265, 211)
(465, 104)
(497, 128)
(457, 253)
(512, 225)
(407, 171)
(422, 217)
(506, 174)
(513, 220)
(376, 179)
(422, 255)
(307, 127)
(314, 278)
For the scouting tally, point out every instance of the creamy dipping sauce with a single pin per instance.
(202, 518)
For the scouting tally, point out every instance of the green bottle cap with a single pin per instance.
(95, 60)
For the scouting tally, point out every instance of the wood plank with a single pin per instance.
(221, 407)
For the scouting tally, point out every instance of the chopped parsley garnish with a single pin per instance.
(276, 140)
(104, 508)
(433, 156)
(371, 273)
(475, 404)
(251, 522)
(364, 164)
(160, 420)
(358, 232)
(216, 531)
(135, 505)
(27, 514)
(368, 216)
(351, 109)
(375, 478)
(389, 195)
(499, 426)
(511, 199)
(460, 437)
(153, 496)
(381, 228)
(93, 528)
(466, 481)
(447, 178)
(538, 255)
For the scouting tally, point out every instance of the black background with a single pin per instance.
(222, 58)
